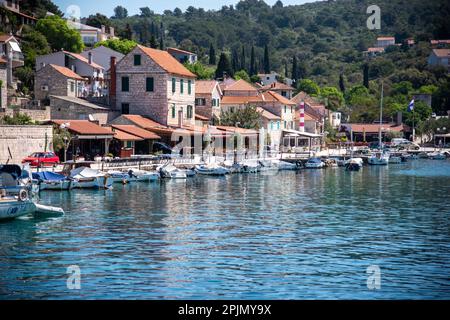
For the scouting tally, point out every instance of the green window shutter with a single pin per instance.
(174, 84)
(189, 86)
(181, 85)
(125, 84)
(149, 84)
(137, 59)
(173, 112)
(213, 102)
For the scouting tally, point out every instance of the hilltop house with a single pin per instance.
(383, 42)
(439, 57)
(182, 55)
(152, 83)
(442, 43)
(207, 99)
(91, 35)
(12, 8)
(84, 67)
(282, 89)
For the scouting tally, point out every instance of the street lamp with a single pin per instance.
(67, 140)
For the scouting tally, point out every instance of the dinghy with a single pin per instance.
(47, 210)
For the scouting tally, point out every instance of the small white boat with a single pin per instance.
(268, 165)
(48, 180)
(314, 163)
(42, 209)
(172, 172)
(84, 177)
(354, 164)
(395, 159)
(358, 161)
(437, 156)
(13, 207)
(211, 170)
(378, 158)
(133, 176)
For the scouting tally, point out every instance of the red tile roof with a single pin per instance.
(375, 127)
(3, 60)
(66, 72)
(205, 86)
(180, 51)
(136, 131)
(200, 117)
(240, 85)
(277, 86)
(266, 114)
(272, 96)
(386, 38)
(167, 62)
(6, 37)
(84, 127)
(123, 136)
(375, 49)
(240, 100)
(442, 53)
(148, 124)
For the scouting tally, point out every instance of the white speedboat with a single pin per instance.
(84, 177)
(211, 170)
(378, 158)
(358, 161)
(249, 166)
(314, 163)
(395, 159)
(13, 206)
(437, 156)
(268, 165)
(354, 164)
(172, 172)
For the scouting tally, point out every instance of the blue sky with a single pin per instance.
(106, 6)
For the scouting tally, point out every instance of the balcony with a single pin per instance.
(17, 59)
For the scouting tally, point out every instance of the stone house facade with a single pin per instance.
(3, 86)
(208, 98)
(152, 83)
(58, 81)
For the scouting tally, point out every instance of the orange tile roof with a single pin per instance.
(277, 86)
(3, 60)
(240, 85)
(442, 53)
(167, 62)
(240, 100)
(136, 131)
(266, 114)
(375, 49)
(205, 86)
(275, 97)
(148, 124)
(440, 41)
(66, 72)
(83, 59)
(386, 38)
(123, 136)
(5, 37)
(84, 127)
(200, 117)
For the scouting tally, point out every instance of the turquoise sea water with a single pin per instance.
(290, 235)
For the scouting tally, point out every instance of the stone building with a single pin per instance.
(3, 84)
(152, 83)
(102, 55)
(182, 55)
(58, 81)
(207, 98)
(282, 89)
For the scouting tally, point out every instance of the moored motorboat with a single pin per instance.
(314, 163)
(378, 158)
(211, 170)
(84, 177)
(48, 180)
(437, 156)
(170, 171)
(354, 164)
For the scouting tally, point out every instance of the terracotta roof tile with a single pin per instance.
(205, 86)
(374, 127)
(167, 62)
(180, 51)
(123, 136)
(266, 114)
(136, 131)
(67, 72)
(240, 85)
(84, 127)
(200, 117)
(442, 53)
(275, 97)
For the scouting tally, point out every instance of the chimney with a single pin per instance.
(301, 127)
(90, 57)
(112, 83)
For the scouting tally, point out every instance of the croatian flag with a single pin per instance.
(411, 106)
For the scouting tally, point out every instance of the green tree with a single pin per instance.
(59, 35)
(201, 71)
(266, 60)
(294, 73)
(146, 12)
(123, 46)
(98, 20)
(18, 119)
(120, 12)
(242, 74)
(33, 44)
(247, 117)
(308, 86)
(253, 62)
(334, 99)
(224, 66)
(212, 55)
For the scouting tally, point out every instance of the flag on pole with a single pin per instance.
(411, 106)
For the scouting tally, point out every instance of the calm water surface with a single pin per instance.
(305, 235)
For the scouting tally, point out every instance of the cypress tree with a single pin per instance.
(294, 69)
(153, 43)
(235, 61)
(366, 75)
(266, 60)
(212, 55)
(161, 43)
(224, 66)
(252, 62)
(128, 32)
(243, 64)
(341, 82)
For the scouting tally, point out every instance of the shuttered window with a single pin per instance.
(189, 86)
(189, 112)
(181, 85)
(125, 84)
(174, 84)
(149, 83)
(137, 59)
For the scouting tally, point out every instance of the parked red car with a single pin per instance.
(41, 159)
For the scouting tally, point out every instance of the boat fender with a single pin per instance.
(23, 195)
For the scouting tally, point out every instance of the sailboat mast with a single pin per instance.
(381, 115)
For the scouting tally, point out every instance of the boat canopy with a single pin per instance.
(84, 172)
(48, 176)
(13, 169)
